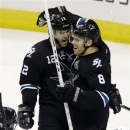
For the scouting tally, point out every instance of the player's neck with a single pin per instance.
(57, 46)
(90, 50)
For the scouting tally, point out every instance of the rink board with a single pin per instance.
(26, 20)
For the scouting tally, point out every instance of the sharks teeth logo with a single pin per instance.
(71, 77)
(63, 68)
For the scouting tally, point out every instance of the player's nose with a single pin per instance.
(66, 35)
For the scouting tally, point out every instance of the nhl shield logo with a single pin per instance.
(62, 55)
(76, 65)
(62, 52)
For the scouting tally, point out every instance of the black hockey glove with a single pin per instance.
(61, 9)
(24, 116)
(115, 99)
(69, 94)
(41, 21)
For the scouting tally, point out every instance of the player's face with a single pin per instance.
(63, 37)
(78, 45)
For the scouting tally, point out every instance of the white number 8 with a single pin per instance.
(101, 79)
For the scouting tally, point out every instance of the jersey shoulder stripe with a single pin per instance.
(29, 86)
(104, 97)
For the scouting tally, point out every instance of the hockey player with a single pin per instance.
(115, 98)
(39, 76)
(89, 92)
(10, 119)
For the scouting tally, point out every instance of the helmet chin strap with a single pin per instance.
(86, 47)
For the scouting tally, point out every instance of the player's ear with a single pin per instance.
(88, 42)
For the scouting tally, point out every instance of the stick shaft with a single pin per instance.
(53, 45)
(125, 107)
(57, 63)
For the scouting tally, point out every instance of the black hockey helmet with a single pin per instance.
(10, 118)
(60, 22)
(87, 29)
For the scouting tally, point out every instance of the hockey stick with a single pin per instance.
(2, 112)
(57, 63)
(125, 107)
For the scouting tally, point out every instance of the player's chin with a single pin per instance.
(64, 44)
(76, 52)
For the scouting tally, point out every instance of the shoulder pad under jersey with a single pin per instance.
(36, 52)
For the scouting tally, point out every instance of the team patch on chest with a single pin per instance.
(76, 65)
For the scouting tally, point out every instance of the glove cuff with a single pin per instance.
(26, 108)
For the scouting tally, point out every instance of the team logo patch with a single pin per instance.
(97, 62)
(30, 52)
(69, 57)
